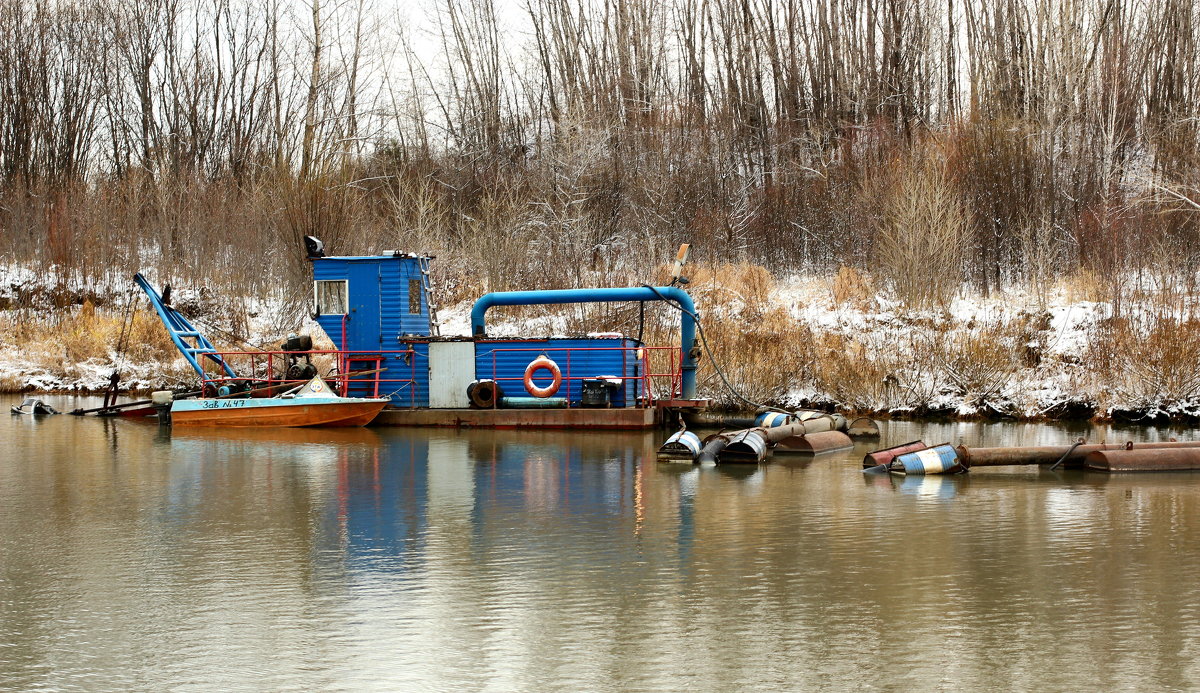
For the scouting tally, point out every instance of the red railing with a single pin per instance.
(268, 370)
(644, 382)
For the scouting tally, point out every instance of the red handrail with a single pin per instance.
(342, 379)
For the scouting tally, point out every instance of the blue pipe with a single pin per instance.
(687, 321)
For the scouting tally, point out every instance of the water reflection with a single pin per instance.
(134, 557)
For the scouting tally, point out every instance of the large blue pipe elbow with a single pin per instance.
(687, 321)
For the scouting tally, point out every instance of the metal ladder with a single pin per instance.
(427, 287)
(181, 331)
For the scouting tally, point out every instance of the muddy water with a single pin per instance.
(134, 558)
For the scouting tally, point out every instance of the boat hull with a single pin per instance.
(250, 412)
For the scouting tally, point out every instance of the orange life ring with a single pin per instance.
(534, 366)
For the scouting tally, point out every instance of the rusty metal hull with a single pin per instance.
(1049, 454)
(1144, 460)
(334, 413)
(630, 418)
(886, 455)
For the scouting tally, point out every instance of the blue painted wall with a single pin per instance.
(612, 360)
(379, 321)
(379, 301)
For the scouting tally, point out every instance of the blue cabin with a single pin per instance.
(372, 301)
(379, 309)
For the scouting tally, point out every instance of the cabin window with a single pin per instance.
(414, 296)
(331, 297)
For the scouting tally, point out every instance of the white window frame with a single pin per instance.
(323, 310)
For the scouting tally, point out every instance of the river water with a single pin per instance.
(140, 558)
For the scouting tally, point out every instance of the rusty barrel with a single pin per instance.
(863, 427)
(939, 459)
(682, 445)
(878, 457)
(1049, 454)
(1142, 459)
(823, 441)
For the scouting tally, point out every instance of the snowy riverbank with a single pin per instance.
(797, 341)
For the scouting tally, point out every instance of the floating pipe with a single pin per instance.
(687, 322)
(712, 448)
(886, 455)
(698, 419)
(1144, 460)
(1049, 454)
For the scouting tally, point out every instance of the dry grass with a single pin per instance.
(852, 288)
(873, 374)
(1147, 362)
(59, 343)
(978, 360)
(1084, 284)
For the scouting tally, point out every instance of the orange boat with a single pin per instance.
(311, 404)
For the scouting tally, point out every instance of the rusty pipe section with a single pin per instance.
(814, 421)
(1049, 454)
(1144, 459)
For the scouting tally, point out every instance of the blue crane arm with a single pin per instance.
(181, 330)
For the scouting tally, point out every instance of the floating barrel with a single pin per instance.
(940, 459)
(682, 445)
(863, 427)
(748, 446)
(771, 419)
(878, 457)
(823, 441)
